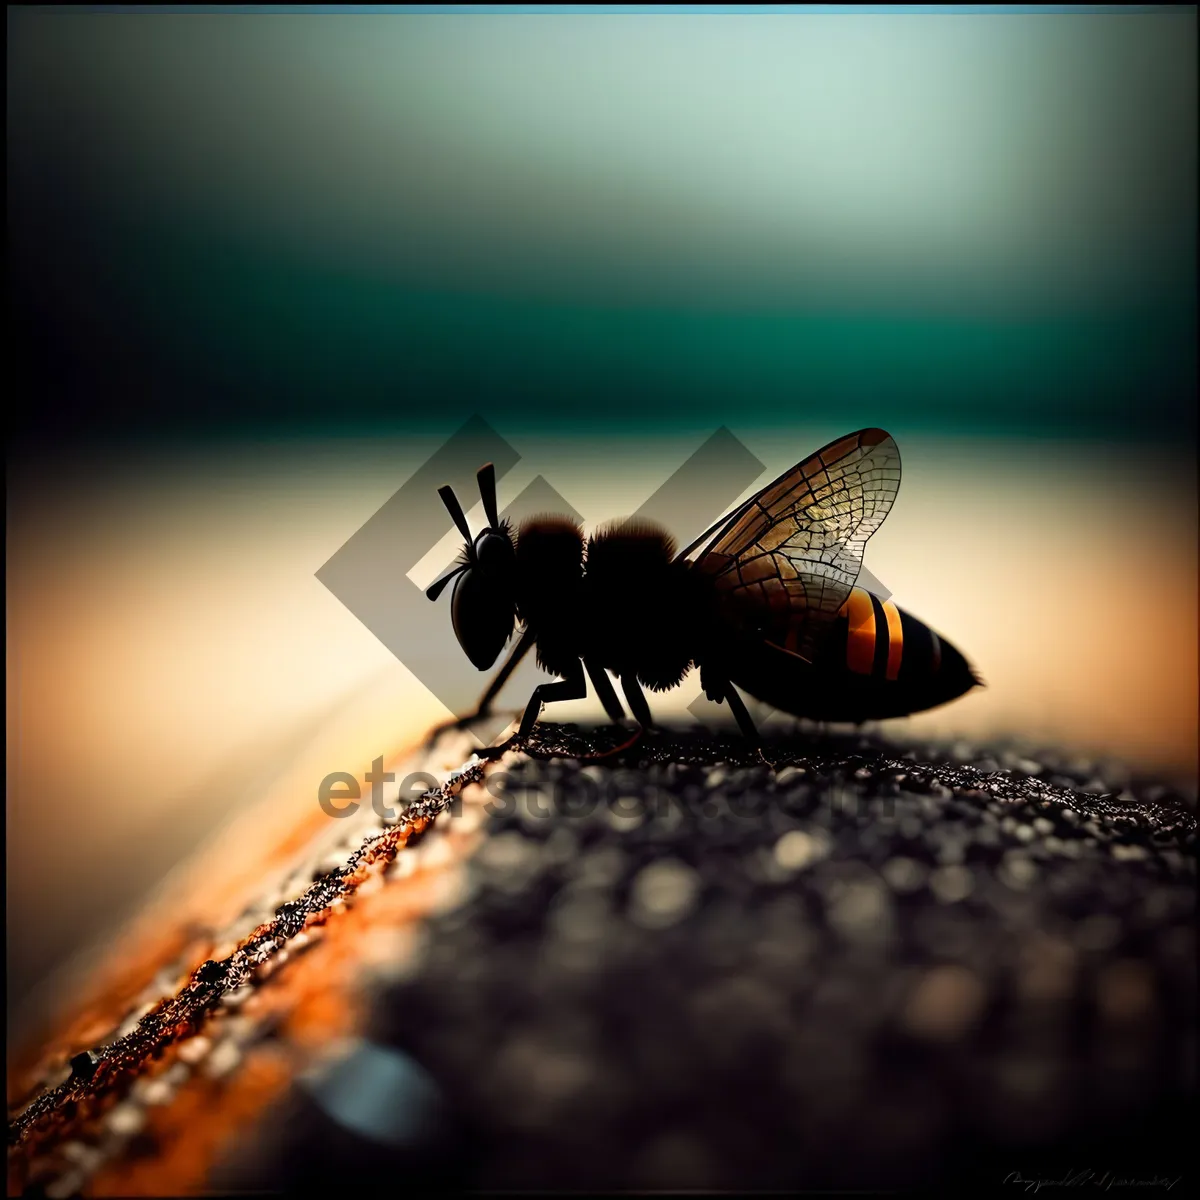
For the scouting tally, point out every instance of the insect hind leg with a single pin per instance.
(726, 691)
(746, 724)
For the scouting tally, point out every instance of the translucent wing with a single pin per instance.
(786, 561)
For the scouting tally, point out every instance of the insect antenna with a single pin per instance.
(450, 500)
(487, 491)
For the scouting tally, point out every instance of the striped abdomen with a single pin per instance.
(877, 661)
(876, 638)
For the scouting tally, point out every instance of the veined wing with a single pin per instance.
(785, 562)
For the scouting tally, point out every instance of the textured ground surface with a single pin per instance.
(684, 969)
(868, 965)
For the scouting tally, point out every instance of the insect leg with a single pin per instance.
(741, 715)
(484, 707)
(636, 700)
(605, 691)
(517, 653)
(572, 686)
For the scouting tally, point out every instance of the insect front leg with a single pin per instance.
(572, 686)
(484, 707)
(518, 652)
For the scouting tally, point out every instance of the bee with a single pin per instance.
(765, 601)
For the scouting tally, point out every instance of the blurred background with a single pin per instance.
(263, 264)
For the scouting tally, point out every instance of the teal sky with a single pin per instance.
(336, 222)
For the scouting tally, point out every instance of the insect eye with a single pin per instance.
(493, 551)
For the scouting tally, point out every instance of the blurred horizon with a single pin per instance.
(302, 222)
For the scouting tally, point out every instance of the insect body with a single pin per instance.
(766, 600)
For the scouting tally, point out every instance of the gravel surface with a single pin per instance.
(870, 965)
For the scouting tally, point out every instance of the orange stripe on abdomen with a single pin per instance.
(860, 636)
(895, 639)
